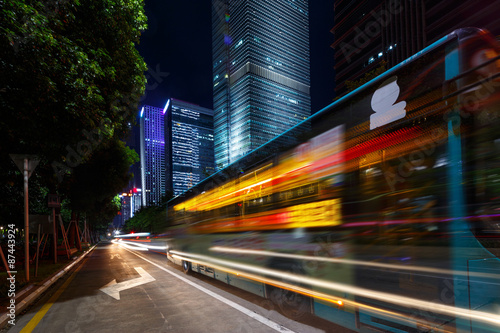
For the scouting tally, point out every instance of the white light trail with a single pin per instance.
(368, 293)
(140, 246)
(351, 262)
(139, 234)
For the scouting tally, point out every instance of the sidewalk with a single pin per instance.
(28, 294)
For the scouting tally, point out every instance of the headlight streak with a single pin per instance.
(141, 246)
(150, 247)
(139, 234)
(381, 296)
(353, 262)
(276, 283)
(311, 293)
(132, 246)
(145, 246)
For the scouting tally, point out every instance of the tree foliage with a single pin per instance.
(68, 68)
(95, 183)
(148, 219)
(70, 81)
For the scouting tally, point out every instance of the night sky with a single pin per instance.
(178, 42)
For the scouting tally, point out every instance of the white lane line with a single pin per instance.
(232, 304)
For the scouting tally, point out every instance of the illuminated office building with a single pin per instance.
(134, 185)
(369, 32)
(176, 148)
(152, 154)
(189, 140)
(131, 201)
(261, 73)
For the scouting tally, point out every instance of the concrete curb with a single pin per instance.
(35, 293)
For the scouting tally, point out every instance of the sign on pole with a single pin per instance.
(33, 161)
(26, 163)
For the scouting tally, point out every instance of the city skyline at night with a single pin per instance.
(177, 46)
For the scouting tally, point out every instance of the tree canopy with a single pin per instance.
(95, 183)
(70, 82)
(148, 219)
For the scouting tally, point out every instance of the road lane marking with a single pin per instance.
(30, 326)
(232, 304)
(113, 289)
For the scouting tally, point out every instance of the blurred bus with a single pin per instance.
(383, 217)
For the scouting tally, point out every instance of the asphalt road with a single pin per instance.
(119, 290)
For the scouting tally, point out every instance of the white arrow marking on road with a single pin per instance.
(113, 289)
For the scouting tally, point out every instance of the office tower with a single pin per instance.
(134, 186)
(368, 32)
(261, 73)
(134, 142)
(126, 202)
(152, 154)
(442, 17)
(131, 201)
(189, 140)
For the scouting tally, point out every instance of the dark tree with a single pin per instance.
(95, 184)
(70, 81)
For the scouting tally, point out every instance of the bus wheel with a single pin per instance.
(292, 304)
(186, 266)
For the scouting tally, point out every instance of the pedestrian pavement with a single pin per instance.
(26, 296)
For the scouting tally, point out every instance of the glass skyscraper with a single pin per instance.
(261, 73)
(369, 33)
(152, 154)
(190, 145)
(176, 148)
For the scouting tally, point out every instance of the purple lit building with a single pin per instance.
(176, 148)
(152, 154)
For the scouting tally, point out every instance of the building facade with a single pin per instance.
(152, 154)
(261, 73)
(131, 201)
(189, 140)
(369, 34)
(135, 184)
(176, 149)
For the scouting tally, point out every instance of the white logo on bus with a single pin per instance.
(383, 100)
